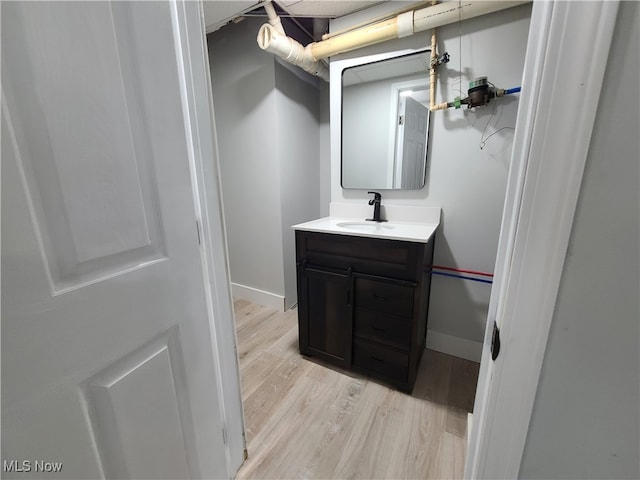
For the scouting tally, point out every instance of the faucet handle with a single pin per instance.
(376, 197)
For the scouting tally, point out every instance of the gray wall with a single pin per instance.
(467, 181)
(585, 422)
(268, 128)
(325, 151)
(298, 136)
(243, 80)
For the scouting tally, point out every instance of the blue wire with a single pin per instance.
(512, 90)
(482, 280)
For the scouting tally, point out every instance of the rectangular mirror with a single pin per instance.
(385, 123)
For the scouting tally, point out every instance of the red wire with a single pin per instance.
(484, 274)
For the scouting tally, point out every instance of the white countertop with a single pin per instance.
(392, 230)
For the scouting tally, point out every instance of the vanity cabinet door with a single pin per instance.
(325, 312)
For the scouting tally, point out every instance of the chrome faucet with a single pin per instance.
(375, 201)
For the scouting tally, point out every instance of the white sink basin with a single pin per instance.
(412, 232)
(365, 226)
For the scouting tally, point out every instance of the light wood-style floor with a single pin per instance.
(305, 420)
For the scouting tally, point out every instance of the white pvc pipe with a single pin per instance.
(308, 57)
(451, 12)
(423, 19)
(274, 19)
(270, 40)
(377, 19)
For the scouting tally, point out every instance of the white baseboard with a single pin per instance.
(254, 295)
(456, 346)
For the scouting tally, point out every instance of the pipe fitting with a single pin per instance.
(405, 24)
(439, 106)
(270, 40)
(274, 19)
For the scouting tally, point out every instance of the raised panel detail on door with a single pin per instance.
(325, 307)
(84, 147)
(138, 420)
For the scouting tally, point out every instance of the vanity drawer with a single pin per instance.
(374, 256)
(386, 296)
(382, 327)
(380, 360)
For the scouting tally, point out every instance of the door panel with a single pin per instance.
(125, 416)
(107, 348)
(325, 307)
(83, 144)
(414, 143)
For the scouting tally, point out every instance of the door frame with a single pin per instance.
(197, 105)
(551, 142)
(560, 92)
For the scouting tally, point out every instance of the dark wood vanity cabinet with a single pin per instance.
(363, 303)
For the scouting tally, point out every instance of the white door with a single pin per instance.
(108, 368)
(412, 144)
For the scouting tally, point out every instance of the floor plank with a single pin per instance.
(306, 420)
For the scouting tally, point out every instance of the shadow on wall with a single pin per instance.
(456, 302)
(250, 90)
(297, 83)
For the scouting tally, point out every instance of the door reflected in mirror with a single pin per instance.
(385, 123)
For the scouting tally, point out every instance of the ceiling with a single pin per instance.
(325, 8)
(219, 12)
